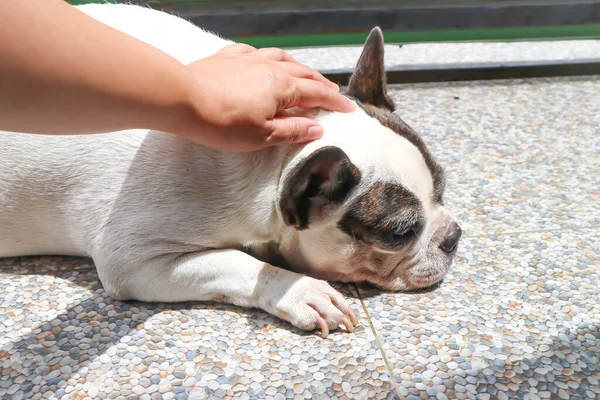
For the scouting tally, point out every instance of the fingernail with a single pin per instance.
(315, 132)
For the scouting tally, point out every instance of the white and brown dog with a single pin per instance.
(167, 220)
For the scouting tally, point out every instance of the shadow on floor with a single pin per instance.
(575, 376)
(61, 348)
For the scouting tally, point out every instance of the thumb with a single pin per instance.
(285, 130)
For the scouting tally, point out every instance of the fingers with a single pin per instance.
(271, 53)
(298, 70)
(288, 64)
(310, 93)
(236, 49)
(285, 61)
(293, 130)
(293, 67)
(275, 54)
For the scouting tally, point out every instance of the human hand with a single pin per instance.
(243, 92)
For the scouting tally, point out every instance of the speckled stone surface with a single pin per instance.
(412, 55)
(519, 155)
(519, 314)
(517, 317)
(62, 335)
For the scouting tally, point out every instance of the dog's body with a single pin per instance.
(168, 220)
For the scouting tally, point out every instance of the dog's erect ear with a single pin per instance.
(368, 82)
(317, 186)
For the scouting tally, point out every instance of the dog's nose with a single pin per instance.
(453, 235)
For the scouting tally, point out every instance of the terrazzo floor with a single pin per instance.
(517, 317)
(418, 54)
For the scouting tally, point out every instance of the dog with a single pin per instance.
(167, 220)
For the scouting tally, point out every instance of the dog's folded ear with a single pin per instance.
(368, 83)
(317, 186)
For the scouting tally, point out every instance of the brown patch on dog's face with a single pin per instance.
(317, 187)
(387, 215)
(386, 224)
(420, 263)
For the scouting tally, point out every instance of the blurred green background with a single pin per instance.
(558, 32)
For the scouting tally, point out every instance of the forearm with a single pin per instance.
(63, 72)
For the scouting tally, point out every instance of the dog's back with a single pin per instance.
(56, 192)
(50, 187)
(174, 36)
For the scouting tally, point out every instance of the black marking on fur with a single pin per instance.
(325, 177)
(387, 215)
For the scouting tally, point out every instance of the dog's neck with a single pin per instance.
(249, 183)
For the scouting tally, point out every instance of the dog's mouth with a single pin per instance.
(366, 285)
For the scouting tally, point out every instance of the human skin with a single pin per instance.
(62, 72)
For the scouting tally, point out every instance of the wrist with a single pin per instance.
(177, 112)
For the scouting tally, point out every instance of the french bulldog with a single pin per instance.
(166, 220)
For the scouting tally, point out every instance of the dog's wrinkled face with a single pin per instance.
(365, 203)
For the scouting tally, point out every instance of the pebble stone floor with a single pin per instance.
(517, 317)
(418, 54)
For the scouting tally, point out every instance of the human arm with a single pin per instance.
(63, 72)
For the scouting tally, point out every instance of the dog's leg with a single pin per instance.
(235, 277)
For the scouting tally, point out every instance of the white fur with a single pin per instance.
(167, 220)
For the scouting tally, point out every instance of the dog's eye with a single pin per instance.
(403, 237)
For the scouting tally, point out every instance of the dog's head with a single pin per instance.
(365, 202)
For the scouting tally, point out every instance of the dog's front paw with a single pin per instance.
(310, 304)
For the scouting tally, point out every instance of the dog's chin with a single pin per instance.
(414, 284)
(426, 289)
(426, 281)
(421, 279)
